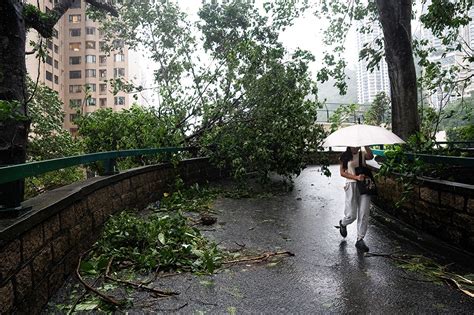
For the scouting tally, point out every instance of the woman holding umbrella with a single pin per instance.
(356, 205)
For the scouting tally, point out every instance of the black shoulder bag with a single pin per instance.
(367, 186)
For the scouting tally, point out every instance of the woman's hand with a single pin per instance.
(360, 177)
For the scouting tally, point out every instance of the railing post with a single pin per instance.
(11, 196)
(110, 167)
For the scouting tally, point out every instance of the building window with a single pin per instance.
(55, 33)
(75, 88)
(74, 18)
(49, 44)
(76, 4)
(90, 44)
(75, 46)
(90, 58)
(102, 88)
(49, 76)
(102, 59)
(90, 30)
(72, 117)
(118, 43)
(49, 60)
(56, 79)
(119, 57)
(73, 103)
(102, 102)
(91, 87)
(91, 101)
(101, 33)
(56, 64)
(90, 73)
(75, 74)
(119, 100)
(74, 32)
(102, 46)
(102, 73)
(76, 60)
(119, 72)
(56, 49)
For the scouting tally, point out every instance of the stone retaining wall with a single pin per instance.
(442, 208)
(39, 250)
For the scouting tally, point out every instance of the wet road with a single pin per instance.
(326, 275)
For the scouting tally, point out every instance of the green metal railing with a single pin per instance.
(435, 159)
(13, 173)
(21, 171)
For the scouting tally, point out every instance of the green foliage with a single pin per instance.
(341, 115)
(462, 133)
(9, 110)
(379, 111)
(237, 90)
(158, 241)
(458, 113)
(196, 198)
(405, 170)
(134, 128)
(48, 140)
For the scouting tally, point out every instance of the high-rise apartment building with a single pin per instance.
(76, 65)
(447, 59)
(370, 83)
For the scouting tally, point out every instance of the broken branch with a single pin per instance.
(103, 296)
(260, 258)
(141, 286)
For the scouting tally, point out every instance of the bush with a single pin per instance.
(462, 133)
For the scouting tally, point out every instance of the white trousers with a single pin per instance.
(357, 207)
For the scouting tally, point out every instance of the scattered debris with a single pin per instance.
(261, 258)
(431, 270)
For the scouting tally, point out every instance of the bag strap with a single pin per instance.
(361, 159)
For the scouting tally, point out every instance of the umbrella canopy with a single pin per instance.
(361, 135)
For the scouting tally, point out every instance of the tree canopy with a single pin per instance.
(227, 82)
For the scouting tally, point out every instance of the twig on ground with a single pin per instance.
(73, 307)
(204, 303)
(140, 286)
(260, 258)
(103, 296)
(173, 309)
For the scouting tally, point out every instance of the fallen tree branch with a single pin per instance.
(455, 284)
(103, 296)
(73, 307)
(260, 258)
(140, 286)
(439, 273)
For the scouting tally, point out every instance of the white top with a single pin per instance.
(351, 165)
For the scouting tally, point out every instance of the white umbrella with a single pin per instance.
(361, 135)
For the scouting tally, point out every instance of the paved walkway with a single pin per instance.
(327, 275)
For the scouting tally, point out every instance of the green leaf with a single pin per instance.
(161, 238)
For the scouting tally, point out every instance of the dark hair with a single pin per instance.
(346, 157)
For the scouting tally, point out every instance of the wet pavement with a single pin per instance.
(326, 275)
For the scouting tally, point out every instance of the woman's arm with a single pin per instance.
(348, 175)
(369, 155)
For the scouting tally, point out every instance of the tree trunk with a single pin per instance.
(13, 131)
(395, 17)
